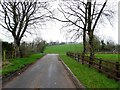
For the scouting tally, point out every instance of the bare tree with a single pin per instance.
(91, 25)
(83, 16)
(75, 19)
(18, 16)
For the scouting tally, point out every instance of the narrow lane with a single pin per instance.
(47, 72)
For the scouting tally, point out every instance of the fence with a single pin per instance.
(7, 55)
(111, 69)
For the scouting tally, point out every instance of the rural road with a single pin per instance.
(47, 72)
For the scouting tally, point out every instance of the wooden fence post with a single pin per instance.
(4, 55)
(78, 57)
(117, 68)
(74, 56)
(89, 61)
(69, 54)
(12, 54)
(100, 64)
(83, 57)
(15, 54)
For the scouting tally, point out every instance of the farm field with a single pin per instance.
(62, 49)
(111, 57)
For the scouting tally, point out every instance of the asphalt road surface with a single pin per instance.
(47, 72)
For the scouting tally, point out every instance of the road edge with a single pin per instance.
(19, 72)
(77, 83)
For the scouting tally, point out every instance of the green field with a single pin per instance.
(111, 57)
(89, 77)
(19, 63)
(62, 49)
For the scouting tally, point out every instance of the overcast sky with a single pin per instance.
(51, 31)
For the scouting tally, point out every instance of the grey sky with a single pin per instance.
(51, 32)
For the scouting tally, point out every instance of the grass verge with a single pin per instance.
(19, 63)
(89, 77)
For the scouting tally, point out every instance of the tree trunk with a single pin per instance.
(17, 48)
(84, 36)
(91, 40)
(90, 34)
(84, 45)
(21, 53)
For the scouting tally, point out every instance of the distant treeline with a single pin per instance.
(102, 46)
(61, 43)
(99, 45)
(38, 46)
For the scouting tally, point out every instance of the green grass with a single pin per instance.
(19, 63)
(111, 57)
(89, 77)
(62, 49)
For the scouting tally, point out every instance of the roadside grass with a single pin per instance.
(62, 49)
(111, 57)
(19, 63)
(89, 77)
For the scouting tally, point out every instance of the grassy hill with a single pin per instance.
(62, 49)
